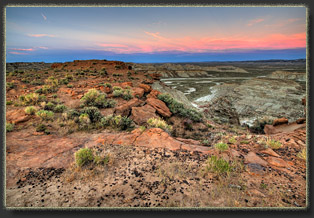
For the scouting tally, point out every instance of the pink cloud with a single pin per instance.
(22, 49)
(255, 21)
(43, 47)
(17, 53)
(113, 45)
(41, 35)
(155, 35)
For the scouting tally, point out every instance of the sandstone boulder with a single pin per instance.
(17, 116)
(280, 121)
(138, 92)
(140, 115)
(124, 110)
(270, 129)
(147, 88)
(160, 106)
(153, 94)
(251, 157)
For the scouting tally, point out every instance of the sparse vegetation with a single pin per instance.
(83, 157)
(9, 127)
(93, 113)
(222, 146)
(302, 154)
(117, 122)
(60, 108)
(218, 165)
(232, 140)
(45, 115)
(273, 144)
(159, 123)
(179, 109)
(94, 98)
(31, 110)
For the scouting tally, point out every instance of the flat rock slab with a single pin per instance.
(251, 157)
(278, 162)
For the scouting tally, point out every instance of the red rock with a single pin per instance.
(280, 121)
(270, 130)
(189, 141)
(138, 92)
(303, 101)
(251, 157)
(153, 94)
(147, 88)
(278, 162)
(124, 110)
(156, 138)
(300, 120)
(255, 169)
(17, 116)
(270, 151)
(107, 111)
(160, 106)
(126, 84)
(140, 115)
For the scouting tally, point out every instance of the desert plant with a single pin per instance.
(127, 95)
(49, 106)
(9, 127)
(93, 113)
(117, 92)
(178, 108)
(89, 97)
(31, 110)
(84, 119)
(221, 146)
(60, 108)
(83, 157)
(273, 144)
(158, 123)
(119, 122)
(71, 114)
(45, 115)
(218, 165)
(10, 85)
(41, 128)
(232, 140)
(9, 102)
(142, 128)
(302, 154)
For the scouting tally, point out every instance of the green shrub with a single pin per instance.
(119, 122)
(93, 113)
(127, 94)
(245, 142)
(31, 110)
(9, 102)
(273, 144)
(31, 99)
(49, 106)
(60, 108)
(9, 127)
(41, 128)
(37, 82)
(302, 154)
(117, 93)
(64, 81)
(71, 114)
(46, 89)
(222, 146)
(70, 86)
(10, 85)
(159, 123)
(83, 157)
(84, 119)
(116, 88)
(108, 85)
(178, 108)
(218, 165)
(45, 115)
(232, 140)
(97, 99)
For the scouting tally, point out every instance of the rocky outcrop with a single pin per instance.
(140, 115)
(261, 97)
(188, 70)
(17, 116)
(160, 107)
(300, 76)
(125, 109)
(176, 94)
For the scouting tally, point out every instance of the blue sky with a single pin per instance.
(155, 34)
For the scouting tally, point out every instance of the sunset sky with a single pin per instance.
(155, 34)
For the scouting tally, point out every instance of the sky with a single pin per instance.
(155, 34)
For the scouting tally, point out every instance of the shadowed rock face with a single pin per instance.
(260, 97)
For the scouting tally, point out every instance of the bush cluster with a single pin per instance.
(221, 146)
(9, 127)
(45, 115)
(32, 99)
(31, 110)
(117, 122)
(159, 123)
(178, 108)
(86, 156)
(94, 98)
(126, 94)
